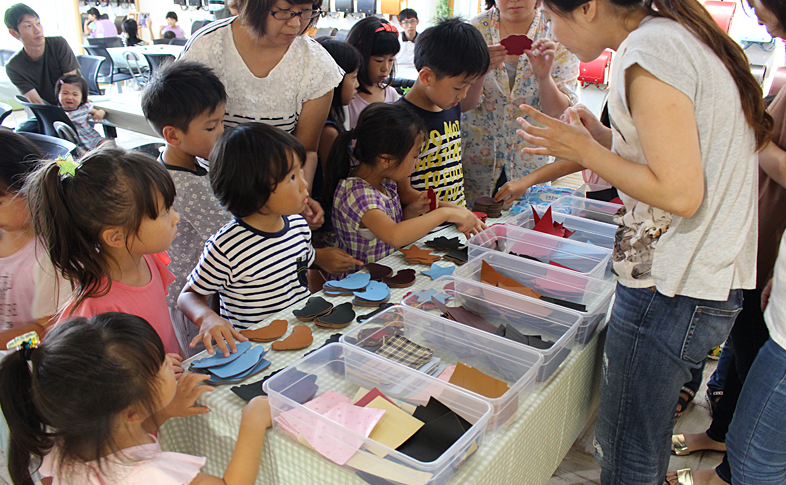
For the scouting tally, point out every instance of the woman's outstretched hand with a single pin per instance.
(569, 140)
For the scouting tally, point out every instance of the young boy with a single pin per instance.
(452, 60)
(184, 103)
(258, 262)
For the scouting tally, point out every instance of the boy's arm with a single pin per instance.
(211, 326)
(513, 189)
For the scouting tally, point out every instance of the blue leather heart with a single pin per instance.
(219, 359)
(375, 291)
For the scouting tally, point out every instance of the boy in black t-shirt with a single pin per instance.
(452, 60)
(35, 69)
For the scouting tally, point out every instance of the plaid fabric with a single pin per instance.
(405, 351)
(352, 199)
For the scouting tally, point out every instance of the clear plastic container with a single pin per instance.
(551, 281)
(585, 230)
(584, 188)
(586, 208)
(583, 258)
(527, 315)
(453, 342)
(345, 369)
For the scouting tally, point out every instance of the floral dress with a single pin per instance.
(488, 132)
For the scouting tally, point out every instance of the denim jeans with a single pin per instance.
(652, 344)
(756, 441)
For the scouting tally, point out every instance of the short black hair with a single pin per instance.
(452, 48)
(248, 162)
(169, 35)
(171, 15)
(255, 13)
(94, 12)
(349, 60)
(179, 92)
(19, 157)
(15, 13)
(407, 13)
(76, 80)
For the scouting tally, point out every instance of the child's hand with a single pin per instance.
(417, 207)
(187, 392)
(467, 222)
(99, 114)
(497, 52)
(216, 328)
(541, 57)
(313, 214)
(256, 414)
(177, 364)
(335, 261)
(511, 191)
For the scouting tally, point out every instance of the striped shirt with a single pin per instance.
(305, 72)
(255, 273)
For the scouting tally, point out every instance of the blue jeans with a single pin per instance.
(652, 344)
(756, 441)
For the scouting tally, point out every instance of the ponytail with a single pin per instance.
(338, 167)
(29, 436)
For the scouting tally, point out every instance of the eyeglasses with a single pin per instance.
(409, 22)
(288, 14)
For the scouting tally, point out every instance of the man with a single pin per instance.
(408, 19)
(35, 69)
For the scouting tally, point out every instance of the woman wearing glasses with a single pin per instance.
(272, 73)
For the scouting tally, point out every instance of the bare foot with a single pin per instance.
(701, 442)
(684, 396)
(700, 477)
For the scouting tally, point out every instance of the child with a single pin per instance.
(86, 400)
(377, 41)
(257, 263)
(71, 92)
(171, 26)
(30, 292)
(131, 33)
(103, 221)
(367, 214)
(451, 58)
(184, 103)
(408, 20)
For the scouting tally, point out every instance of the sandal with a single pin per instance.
(685, 477)
(679, 446)
(683, 402)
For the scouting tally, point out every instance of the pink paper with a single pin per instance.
(326, 402)
(447, 373)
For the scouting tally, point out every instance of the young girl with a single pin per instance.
(85, 401)
(103, 221)
(367, 213)
(131, 33)
(685, 167)
(377, 41)
(71, 92)
(30, 293)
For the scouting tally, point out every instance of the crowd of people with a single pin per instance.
(265, 187)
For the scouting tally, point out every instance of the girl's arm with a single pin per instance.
(497, 55)
(399, 234)
(187, 392)
(329, 135)
(773, 161)
(243, 468)
(10, 334)
(195, 307)
(671, 180)
(97, 114)
(406, 194)
(309, 128)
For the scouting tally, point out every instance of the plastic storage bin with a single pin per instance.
(344, 369)
(551, 281)
(585, 230)
(583, 258)
(584, 188)
(586, 208)
(528, 316)
(454, 342)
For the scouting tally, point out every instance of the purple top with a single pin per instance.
(352, 199)
(102, 28)
(177, 30)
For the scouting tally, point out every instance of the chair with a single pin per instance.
(5, 110)
(161, 41)
(47, 115)
(156, 60)
(140, 72)
(107, 73)
(152, 149)
(6, 55)
(105, 41)
(90, 65)
(51, 146)
(68, 134)
(198, 24)
(342, 34)
(178, 41)
(325, 32)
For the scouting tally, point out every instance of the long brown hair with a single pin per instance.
(111, 187)
(693, 16)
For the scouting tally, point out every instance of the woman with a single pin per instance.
(97, 26)
(685, 166)
(546, 77)
(272, 72)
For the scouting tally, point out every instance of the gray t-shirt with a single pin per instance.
(714, 251)
(41, 75)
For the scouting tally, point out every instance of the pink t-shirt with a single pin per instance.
(148, 302)
(29, 289)
(358, 104)
(138, 465)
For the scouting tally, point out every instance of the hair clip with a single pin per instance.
(387, 26)
(24, 343)
(67, 166)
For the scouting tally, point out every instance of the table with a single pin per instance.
(119, 58)
(125, 111)
(528, 452)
